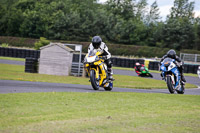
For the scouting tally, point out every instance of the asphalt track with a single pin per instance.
(12, 86)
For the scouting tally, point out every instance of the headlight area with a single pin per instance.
(97, 58)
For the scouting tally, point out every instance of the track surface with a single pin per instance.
(11, 86)
(189, 79)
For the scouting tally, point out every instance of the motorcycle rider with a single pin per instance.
(101, 46)
(198, 71)
(172, 54)
(137, 68)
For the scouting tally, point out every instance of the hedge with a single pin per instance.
(115, 49)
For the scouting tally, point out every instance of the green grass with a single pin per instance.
(16, 72)
(110, 112)
(153, 71)
(10, 58)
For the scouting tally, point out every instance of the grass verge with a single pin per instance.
(11, 58)
(99, 112)
(16, 72)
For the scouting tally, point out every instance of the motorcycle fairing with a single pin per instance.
(176, 72)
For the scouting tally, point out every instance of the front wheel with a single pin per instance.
(170, 85)
(93, 80)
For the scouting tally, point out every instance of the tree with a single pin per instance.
(197, 34)
(141, 10)
(178, 32)
(154, 15)
(42, 42)
(182, 9)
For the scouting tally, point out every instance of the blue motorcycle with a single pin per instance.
(172, 76)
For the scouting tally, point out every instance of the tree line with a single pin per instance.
(116, 21)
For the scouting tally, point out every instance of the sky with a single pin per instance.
(165, 6)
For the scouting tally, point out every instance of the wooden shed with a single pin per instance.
(55, 59)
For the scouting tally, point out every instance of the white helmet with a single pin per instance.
(137, 64)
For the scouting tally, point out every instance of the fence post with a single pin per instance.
(195, 59)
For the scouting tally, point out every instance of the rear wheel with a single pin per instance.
(150, 75)
(94, 81)
(170, 85)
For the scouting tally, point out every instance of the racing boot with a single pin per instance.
(110, 73)
(163, 78)
(183, 78)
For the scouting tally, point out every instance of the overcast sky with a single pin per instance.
(165, 6)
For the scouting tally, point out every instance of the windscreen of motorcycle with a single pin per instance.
(91, 56)
(168, 62)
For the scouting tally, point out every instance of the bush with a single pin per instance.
(115, 49)
(18, 41)
(5, 45)
(42, 42)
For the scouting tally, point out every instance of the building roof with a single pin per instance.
(59, 45)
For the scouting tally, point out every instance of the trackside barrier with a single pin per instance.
(31, 65)
(74, 69)
(153, 65)
(187, 68)
(146, 63)
(120, 62)
(19, 53)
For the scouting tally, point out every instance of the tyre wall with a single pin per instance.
(118, 62)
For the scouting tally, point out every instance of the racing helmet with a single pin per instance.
(96, 41)
(137, 64)
(171, 53)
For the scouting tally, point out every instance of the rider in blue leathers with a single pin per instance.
(172, 54)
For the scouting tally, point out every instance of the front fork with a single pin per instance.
(175, 83)
(169, 75)
(88, 69)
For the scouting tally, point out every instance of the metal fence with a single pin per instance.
(190, 57)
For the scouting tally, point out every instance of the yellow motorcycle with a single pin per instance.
(97, 71)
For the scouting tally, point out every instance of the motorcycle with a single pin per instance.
(144, 72)
(198, 71)
(97, 71)
(171, 75)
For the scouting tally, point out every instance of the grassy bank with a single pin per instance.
(11, 58)
(16, 72)
(99, 112)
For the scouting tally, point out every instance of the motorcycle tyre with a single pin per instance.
(170, 85)
(93, 80)
(150, 75)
